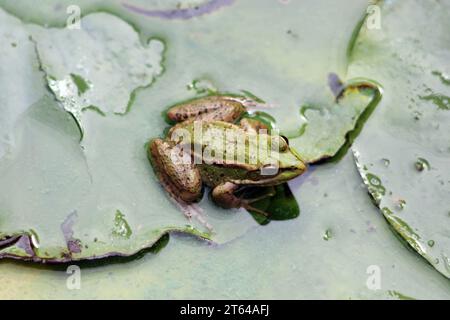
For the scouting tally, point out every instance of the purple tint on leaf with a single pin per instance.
(335, 84)
(183, 14)
(25, 243)
(74, 246)
(67, 228)
(67, 225)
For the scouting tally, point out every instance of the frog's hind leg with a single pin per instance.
(211, 108)
(176, 172)
(224, 196)
(180, 179)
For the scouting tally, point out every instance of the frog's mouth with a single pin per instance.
(263, 179)
(286, 174)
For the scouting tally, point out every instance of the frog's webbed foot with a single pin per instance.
(224, 196)
(211, 108)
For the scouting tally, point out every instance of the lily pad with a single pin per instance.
(22, 83)
(99, 69)
(403, 155)
(77, 63)
(280, 206)
(331, 127)
(63, 201)
(302, 46)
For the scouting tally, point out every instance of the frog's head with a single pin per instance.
(283, 165)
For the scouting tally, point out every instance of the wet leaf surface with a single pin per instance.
(403, 155)
(292, 258)
(329, 128)
(22, 83)
(77, 63)
(109, 174)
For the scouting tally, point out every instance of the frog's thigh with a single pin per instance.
(181, 180)
(223, 195)
(212, 108)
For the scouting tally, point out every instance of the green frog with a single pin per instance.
(218, 118)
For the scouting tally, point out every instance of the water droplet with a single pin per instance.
(374, 181)
(417, 115)
(327, 235)
(34, 239)
(376, 188)
(422, 164)
(202, 86)
(401, 204)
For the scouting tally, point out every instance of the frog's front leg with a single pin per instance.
(224, 196)
(211, 108)
(180, 178)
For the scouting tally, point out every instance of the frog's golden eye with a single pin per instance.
(285, 139)
(283, 143)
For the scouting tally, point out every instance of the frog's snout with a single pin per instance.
(300, 166)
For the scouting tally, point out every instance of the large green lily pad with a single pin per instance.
(63, 199)
(78, 62)
(287, 259)
(22, 83)
(403, 154)
(330, 127)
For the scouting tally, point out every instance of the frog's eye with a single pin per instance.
(285, 139)
(283, 144)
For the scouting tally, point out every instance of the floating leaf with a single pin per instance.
(22, 83)
(411, 126)
(306, 266)
(77, 62)
(109, 170)
(329, 129)
(280, 204)
(100, 198)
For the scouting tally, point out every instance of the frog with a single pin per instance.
(227, 178)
